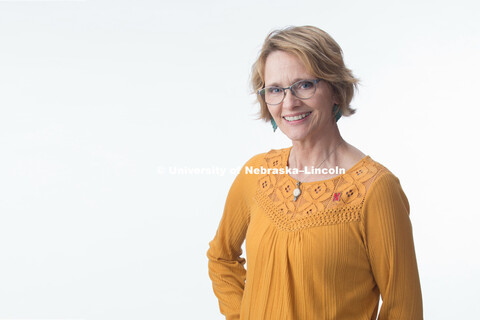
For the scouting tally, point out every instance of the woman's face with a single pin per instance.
(283, 69)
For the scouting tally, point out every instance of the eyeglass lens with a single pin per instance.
(303, 89)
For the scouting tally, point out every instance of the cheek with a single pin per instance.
(274, 111)
(321, 113)
(323, 105)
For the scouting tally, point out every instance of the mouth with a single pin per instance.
(297, 117)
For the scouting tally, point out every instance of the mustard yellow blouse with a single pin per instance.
(328, 255)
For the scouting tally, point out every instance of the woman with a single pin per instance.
(320, 244)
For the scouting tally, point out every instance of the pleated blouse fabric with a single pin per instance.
(328, 255)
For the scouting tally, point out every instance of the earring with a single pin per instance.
(274, 124)
(337, 111)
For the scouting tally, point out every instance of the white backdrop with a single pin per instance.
(98, 99)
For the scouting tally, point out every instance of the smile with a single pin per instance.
(297, 117)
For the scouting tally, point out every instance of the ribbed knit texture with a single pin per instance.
(328, 255)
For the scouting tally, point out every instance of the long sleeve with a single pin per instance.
(390, 248)
(225, 266)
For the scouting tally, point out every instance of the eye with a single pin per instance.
(305, 85)
(273, 90)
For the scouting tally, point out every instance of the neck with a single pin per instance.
(311, 152)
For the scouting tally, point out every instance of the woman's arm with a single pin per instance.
(390, 247)
(225, 266)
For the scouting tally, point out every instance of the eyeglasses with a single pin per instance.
(303, 89)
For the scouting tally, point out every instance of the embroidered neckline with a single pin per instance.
(287, 152)
(335, 200)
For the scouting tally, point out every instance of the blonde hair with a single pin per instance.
(320, 54)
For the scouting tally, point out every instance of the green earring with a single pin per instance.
(337, 111)
(274, 124)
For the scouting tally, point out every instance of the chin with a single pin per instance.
(296, 135)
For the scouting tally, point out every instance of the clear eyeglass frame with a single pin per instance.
(261, 92)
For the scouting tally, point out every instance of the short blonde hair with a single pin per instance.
(320, 54)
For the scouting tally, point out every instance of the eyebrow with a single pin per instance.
(276, 84)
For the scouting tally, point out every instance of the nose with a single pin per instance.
(290, 100)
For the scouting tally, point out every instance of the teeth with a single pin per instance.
(301, 116)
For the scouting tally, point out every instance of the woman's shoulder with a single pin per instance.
(383, 180)
(366, 170)
(270, 158)
(384, 196)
